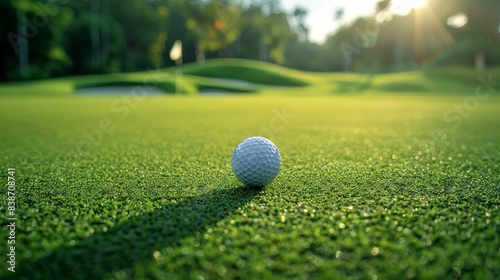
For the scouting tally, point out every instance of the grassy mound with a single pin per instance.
(244, 76)
(247, 70)
(437, 80)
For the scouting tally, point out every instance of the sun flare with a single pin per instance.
(405, 6)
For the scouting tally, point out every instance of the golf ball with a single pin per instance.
(256, 161)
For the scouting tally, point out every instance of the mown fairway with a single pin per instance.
(368, 188)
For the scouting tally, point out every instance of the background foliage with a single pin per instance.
(40, 39)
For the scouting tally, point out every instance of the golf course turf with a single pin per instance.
(377, 185)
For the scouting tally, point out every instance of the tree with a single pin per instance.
(82, 52)
(481, 33)
(338, 16)
(307, 56)
(383, 5)
(477, 41)
(116, 37)
(300, 14)
(145, 33)
(276, 35)
(30, 39)
(215, 25)
(266, 32)
(9, 47)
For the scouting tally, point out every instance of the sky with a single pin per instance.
(320, 18)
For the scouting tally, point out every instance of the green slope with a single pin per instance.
(246, 76)
(247, 70)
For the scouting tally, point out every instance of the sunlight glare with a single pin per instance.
(403, 7)
(458, 20)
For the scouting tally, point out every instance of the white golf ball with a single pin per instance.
(256, 161)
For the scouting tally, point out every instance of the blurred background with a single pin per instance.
(43, 39)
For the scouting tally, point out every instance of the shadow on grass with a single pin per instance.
(136, 239)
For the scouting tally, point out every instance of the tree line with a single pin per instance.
(41, 39)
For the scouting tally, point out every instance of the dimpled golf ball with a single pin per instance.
(256, 161)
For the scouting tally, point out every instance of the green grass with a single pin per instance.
(247, 70)
(365, 188)
(264, 78)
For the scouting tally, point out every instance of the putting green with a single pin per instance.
(252, 77)
(371, 186)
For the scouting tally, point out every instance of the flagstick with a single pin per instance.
(176, 55)
(178, 77)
